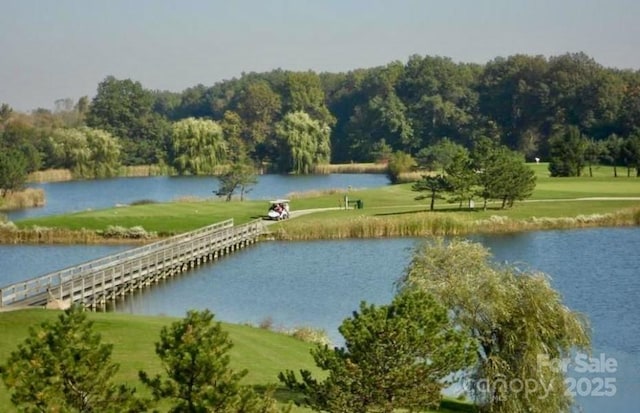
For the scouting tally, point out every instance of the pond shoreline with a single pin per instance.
(419, 224)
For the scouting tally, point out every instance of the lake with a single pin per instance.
(320, 283)
(73, 196)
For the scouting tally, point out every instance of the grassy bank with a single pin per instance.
(388, 211)
(352, 224)
(262, 352)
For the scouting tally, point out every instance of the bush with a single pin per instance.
(310, 335)
(143, 202)
(399, 163)
(137, 232)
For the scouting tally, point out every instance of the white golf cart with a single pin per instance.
(278, 209)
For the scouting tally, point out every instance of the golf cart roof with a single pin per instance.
(279, 201)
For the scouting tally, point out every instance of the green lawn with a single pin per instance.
(264, 353)
(169, 218)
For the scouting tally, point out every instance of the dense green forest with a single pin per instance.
(568, 109)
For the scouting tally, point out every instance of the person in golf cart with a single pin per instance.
(279, 209)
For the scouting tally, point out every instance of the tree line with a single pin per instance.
(456, 318)
(293, 120)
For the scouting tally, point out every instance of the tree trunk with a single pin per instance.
(504, 202)
(615, 171)
(590, 172)
(433, 199)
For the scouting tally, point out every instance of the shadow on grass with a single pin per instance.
(280, 393)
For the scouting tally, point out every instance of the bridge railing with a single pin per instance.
(23, 290)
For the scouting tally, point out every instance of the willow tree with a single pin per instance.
(517, 319)
(303, 143)
(87, 152)
(105, 149)
(198, 146)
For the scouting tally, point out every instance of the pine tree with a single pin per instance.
(198, 377)
(64, 367)
(396, 356)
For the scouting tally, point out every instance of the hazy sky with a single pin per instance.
(51, 49)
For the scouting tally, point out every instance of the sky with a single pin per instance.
(54, 49)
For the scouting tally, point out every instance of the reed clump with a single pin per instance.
(50, 175)
(27, 198)
(502, 224)
(11, 234)
(409, 177)
(146, 170)
(350, 168)
(441, 224)
(412, 225)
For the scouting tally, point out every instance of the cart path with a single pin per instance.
(301, 212)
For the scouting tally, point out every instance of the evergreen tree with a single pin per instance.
(396, 356)
(631, 152)
(435, 185)
(461, 177)
(502, 174)
(65, 367)
(567, 149)
(613, 154)
(194, 354)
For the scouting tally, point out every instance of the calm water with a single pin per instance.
(21, 262)
(320, 283)
(63, 197)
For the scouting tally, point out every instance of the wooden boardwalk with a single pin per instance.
(95, 282)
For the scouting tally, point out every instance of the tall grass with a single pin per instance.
(50, 175)
(10, 234)
(410, 225)
(501, 224)
(350, 168)
(439, 224)
(28, 198)
(146, 170)
(409, 177)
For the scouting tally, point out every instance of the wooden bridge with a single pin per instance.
(95, 282)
